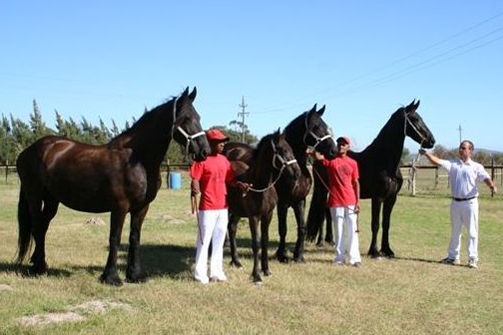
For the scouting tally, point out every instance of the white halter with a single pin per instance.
(188, 138)
(316, 137)
(284, 164)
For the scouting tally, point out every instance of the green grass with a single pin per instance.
(411, 294)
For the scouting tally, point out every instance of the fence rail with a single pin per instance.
(409, 172)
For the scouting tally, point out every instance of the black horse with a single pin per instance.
(273, 158)
(120, 177)
(380, 176)
(307, 130)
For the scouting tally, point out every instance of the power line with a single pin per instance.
(243, 114)
(401, 73)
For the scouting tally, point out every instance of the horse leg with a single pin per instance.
(282, 209)
(264, 241)
(298, 253)
(133, 271)
(39, 231)
(329, 237)
(386, 217)
(253, 221)
(232, 228)
(319, 240)
(376, 209)
(110, 275)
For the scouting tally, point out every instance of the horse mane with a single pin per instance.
(266, 140)
(387, 133)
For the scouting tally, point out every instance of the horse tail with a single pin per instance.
(24, 241)
(316, 215)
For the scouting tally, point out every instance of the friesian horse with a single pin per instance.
(261, 167)
(306, 130)
(120, 177)
(380, 176)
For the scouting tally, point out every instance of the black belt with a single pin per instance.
(463, 199)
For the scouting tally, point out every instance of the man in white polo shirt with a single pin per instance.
(464, 174)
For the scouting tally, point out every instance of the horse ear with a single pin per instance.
(193, 94)
(417, 103)
(312, 110)
(184, 94)
(411, 108)
(321, 110)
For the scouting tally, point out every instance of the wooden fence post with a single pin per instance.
(436, 177)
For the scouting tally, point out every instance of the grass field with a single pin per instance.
(411, 294)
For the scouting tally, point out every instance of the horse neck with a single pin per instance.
(388, 145)
(297, 143)
(261, 172)
(148, 138)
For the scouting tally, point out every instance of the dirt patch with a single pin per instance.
(167, 218)
(5, 287)
(76, 313)
(49, 318)
(95, 222)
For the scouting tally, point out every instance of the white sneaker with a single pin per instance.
(472, 264)
(203, 281)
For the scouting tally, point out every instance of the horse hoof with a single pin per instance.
(299, 259)
(374, 254)
(267, 273)
(236, 264)
(258, 283)
(38, 269)
(388, 254)
(320, 244)
(282, 258)
(136, 279)
(113, 280)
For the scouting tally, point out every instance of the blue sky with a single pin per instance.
(362, 59)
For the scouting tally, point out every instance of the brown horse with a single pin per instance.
(273, 158)
(120, 177)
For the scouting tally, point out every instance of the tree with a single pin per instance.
(7, 143)
(405, 155)
(115, 130)
(37, 125)
(21, 133)
(442, 152)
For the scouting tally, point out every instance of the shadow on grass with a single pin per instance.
(24, 270)
(157, 260)
(416, 259)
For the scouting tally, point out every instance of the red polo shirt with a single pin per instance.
(213, 174)
(342, 170)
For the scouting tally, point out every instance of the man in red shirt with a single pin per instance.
(343, 201)
(209, 178)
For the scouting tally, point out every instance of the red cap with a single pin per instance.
(216, 135)
(343, 139)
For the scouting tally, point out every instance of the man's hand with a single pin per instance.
(244, 187)
(422, 151)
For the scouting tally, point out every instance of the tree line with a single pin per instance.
(15, 134)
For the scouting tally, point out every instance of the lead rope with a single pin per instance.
(284, 164)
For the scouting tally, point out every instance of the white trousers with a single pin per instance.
(464, 213)
(344, 220)
(212, 228)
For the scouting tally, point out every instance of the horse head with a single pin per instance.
(415, 128)
(274, 150)
(283, 159)
(186, 129)
(317, 134)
